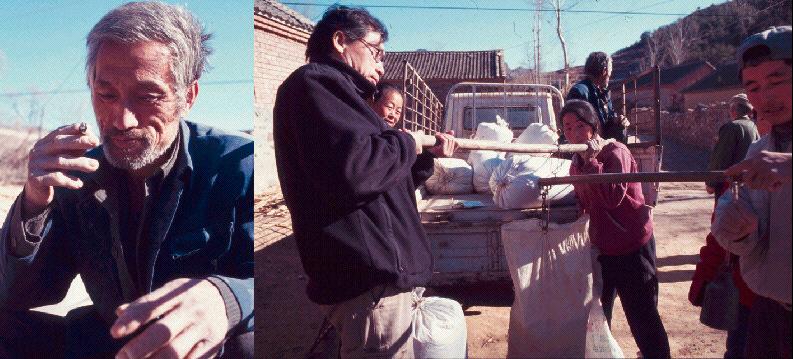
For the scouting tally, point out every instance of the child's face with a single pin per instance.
(389, 107)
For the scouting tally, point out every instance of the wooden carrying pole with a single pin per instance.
(469, 144)
(688, 176)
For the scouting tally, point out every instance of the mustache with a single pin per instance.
(130, 133)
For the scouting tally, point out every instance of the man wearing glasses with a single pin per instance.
(347, 181)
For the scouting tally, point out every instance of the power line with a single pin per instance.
(67, 91)
(466, 8)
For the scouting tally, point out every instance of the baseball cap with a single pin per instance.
(740, 99)
(776, 38)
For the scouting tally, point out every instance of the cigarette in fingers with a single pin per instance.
(83, 128)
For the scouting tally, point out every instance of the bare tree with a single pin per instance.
(557, 4)
(653, 46)
(676, 38)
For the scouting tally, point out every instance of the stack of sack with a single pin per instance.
(484, 162)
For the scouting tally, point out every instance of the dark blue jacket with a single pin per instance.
(348, 181)
(601, 101)
(201, 226)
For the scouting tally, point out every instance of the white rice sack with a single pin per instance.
(514, 182)
(498, 131)
(538, 134)
(483, 164)
(552, 279)
(450, 176)
(439, 329)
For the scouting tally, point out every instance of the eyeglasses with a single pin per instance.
(377, 53)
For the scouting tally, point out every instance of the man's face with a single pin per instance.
(365, 56)
(389, 107)
(768, 86)
(135, 102)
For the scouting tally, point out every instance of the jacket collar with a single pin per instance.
(361, 85)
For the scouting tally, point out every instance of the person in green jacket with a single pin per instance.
(734, 140)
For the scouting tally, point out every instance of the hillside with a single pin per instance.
(697, 37)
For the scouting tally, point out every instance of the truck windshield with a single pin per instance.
(517, 117)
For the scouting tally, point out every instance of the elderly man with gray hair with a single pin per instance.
(734, 140)
(158, 219)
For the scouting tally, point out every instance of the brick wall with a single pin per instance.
(696, 127)
(277, 54)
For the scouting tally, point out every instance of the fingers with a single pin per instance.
(148, 307)
(66, 143)
(189, 343)
(159, 337)
(43, 179)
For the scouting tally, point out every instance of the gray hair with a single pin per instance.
(172, 25)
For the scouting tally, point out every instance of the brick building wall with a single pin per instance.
(279, 50)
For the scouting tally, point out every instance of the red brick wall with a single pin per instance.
(278, 53)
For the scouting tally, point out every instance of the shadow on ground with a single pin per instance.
(287, 323)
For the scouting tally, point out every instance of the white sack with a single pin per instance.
(599, 341)
(538, 134)
(439, 329)
(514, 182)
(483, 164)
(498, 131)
(450, 176)
(552, 278)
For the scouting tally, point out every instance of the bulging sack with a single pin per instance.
(514, 182)
(483, 164)
(450, 176)
(439, 329)
(552, 278)
(494, 131)
(538, 134)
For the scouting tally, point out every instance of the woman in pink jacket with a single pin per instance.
(620, 227)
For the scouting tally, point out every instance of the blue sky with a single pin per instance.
(42, 49)
(411, 29)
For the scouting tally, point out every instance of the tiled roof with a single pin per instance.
(273, 9)
(447, 65)
(725, 76)
(671, 74)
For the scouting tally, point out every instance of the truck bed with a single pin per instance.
(466, 242)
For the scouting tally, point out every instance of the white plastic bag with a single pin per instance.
(483, 164)
(552, 278)
(439, 329)
(494, 131)
(514, 182)
(599, 341)
(450, 176)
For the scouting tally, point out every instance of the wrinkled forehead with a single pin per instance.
(140, 61)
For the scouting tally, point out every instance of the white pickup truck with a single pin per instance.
(466, 242)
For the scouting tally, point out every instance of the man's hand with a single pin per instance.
(765, 170)
(187, 319)
(594, 146)
(446, 145)
(50, 158)
(710, 189)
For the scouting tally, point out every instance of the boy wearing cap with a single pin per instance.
(756, 225)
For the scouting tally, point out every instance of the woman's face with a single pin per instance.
(389, 107)
(575, 130)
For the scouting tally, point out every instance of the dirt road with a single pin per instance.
(287, 322)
